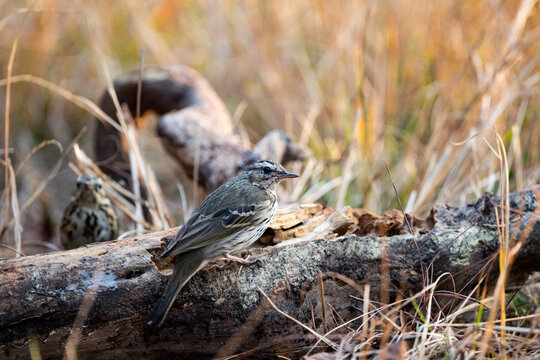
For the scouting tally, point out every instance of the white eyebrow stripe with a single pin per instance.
(264, 163)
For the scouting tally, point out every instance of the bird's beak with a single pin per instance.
(287, 175)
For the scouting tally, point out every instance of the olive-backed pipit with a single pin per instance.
(89, 217)
(230, 219)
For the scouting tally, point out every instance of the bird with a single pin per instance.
(89, 216)
(228, 220)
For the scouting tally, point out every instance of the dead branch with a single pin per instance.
(194, 125)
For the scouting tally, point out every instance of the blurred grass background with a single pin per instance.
(361, 82)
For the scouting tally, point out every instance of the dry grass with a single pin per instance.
(446, 93)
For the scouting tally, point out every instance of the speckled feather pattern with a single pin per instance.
(89, 217)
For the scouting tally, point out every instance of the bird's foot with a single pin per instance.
(229, 259)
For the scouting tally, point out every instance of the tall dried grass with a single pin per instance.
(446, 93)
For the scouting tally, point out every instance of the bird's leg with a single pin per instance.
(229, 259)
(246, 261)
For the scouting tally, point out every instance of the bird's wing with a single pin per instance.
(205, 229)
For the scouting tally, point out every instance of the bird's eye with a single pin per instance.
(98, 187)
(267, 170)
(79, 185)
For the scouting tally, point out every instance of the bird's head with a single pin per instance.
(89, 191)
(266, 174)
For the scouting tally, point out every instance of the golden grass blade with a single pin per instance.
(80, 101)
(36, 149)
(323, 302)
(316, 334)
(504, 254)
(513, 37)
(12, 249)
(17, 229)
(365, 319)
(33, 347)
(7, 163)
(134, 169)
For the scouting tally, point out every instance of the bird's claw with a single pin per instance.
(229, 259)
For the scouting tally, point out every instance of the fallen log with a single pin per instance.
(94, 300)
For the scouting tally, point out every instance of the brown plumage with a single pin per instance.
(89, 217)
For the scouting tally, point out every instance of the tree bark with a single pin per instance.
(101, 294)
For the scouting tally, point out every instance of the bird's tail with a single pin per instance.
(187, 265)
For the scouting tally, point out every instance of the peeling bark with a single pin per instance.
(221, 311)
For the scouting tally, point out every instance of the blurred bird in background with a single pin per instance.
(89, 217)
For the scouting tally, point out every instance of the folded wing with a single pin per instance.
(203, 230)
